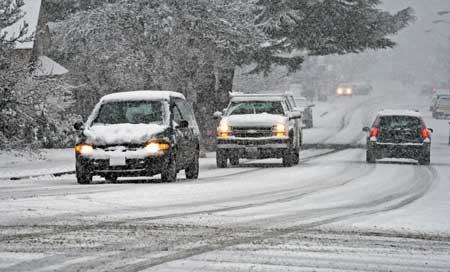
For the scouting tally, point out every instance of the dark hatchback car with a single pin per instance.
(398, 134)
(140, 133)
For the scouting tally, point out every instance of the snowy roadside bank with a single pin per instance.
(47, 162)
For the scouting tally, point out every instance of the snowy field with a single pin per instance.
(333, 212)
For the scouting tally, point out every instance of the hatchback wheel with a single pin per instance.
(425, 159)
(370, 157)
(192, 170)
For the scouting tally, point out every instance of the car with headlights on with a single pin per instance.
(398, 134)
(258, 126)
(344, 89)
(140, 133)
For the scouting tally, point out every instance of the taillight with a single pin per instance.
(425, 133)
(374, 132)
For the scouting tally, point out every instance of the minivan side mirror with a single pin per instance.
(431, 130)
(183, 124)
(366, 129)
(218, 115)
(79, 125)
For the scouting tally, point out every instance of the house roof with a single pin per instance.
(45, 66)
(31, 9)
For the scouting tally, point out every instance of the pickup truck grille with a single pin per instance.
(252, 132)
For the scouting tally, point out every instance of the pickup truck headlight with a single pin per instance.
(224, 129)
(280, 130)
(155, 147)
(84, 149)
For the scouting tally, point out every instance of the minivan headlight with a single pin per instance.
(84, 149)
(155, 147)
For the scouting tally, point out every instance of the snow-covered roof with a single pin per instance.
(258, 98)
(394, 112)
(142, 95)
(45, 66)
(31, 9)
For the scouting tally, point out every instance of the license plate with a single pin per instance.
(117, 161)
(251, 150)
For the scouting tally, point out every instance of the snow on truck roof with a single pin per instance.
(400, 113)
(142, 95)
(258, 97)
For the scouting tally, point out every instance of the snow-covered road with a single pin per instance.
(333, 212)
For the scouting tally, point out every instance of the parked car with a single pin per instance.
(141, 133)
(441, 109)
(436, 95)
(306, 108)
(258, 126)
(399, 134)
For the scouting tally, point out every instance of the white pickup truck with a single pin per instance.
(258, 126)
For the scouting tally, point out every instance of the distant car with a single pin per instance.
(306, 108)
(345, 89)
(258, 126)
(398, 134)
(354, 88)
(140, 133)
(441, 108)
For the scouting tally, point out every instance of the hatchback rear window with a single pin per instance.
(399, 122)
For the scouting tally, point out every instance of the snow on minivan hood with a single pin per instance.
(99, 134)
(255, 120)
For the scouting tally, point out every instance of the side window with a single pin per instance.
(177, 115)
(185, 110)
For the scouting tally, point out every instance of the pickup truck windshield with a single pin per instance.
(255, 107)
(130, 112)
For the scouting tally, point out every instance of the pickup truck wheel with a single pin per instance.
(288, 158)
(221, 159)
(192, 170)
(169, 170)
(84, 175)
(296, 157)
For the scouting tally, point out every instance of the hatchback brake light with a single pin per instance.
(425, 133)
(374, 132)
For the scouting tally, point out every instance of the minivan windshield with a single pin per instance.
(131, 112)
(255, 107)
(444, 101)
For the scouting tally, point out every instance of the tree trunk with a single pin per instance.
(213, 97)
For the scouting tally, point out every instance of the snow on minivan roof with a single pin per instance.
(399, 113)
(142, 95)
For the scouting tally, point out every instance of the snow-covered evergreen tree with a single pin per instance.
(31, 111)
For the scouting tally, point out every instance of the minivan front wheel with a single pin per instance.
(192, 170)
(169, 170)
